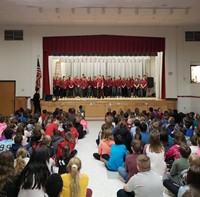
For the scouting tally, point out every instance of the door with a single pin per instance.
(7, 97)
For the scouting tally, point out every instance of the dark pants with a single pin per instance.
(98, 157)
(172, 187)
(71, 92)
(122, 193)
(76, 91)
(85, 92)
(89, 92)
(94, 91)
(100, 93)
(114, 91)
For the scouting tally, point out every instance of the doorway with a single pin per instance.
(7, 97)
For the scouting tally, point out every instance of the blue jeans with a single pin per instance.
(123, 173)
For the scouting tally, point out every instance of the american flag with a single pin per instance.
(38, 75)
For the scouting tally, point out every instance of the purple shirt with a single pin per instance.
(131, 166)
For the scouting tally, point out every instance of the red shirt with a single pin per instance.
(84, 84)
(119, 82)
(74, 132)
(71, 83)
(57, 82)
(136, 83)
(94, 83)
(106, 82)
(89, 83)
(100, 82)
(64, 84)
(123, 83)
(50, 128)
(113, 83)
(77, 82)
(128, 84)
(143, 83)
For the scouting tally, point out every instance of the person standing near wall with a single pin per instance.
(36, 101)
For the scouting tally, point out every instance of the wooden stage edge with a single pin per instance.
(96, 108)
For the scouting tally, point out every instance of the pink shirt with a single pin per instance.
(173, 152)
(84, 123)
(198, 152)
(3, 126)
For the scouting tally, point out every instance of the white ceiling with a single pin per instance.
(100, 12)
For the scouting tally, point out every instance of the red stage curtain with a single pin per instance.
(100, 45)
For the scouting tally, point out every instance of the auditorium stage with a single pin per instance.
(96, 108)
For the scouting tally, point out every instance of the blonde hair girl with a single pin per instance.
(74, 183)
(21, 159)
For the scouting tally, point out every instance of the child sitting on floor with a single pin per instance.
(130, 163)
(118, 152)
(105, 144)
(63, 160)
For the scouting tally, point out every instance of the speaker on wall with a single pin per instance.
(150, 82)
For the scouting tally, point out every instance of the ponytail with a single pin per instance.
(20, 164)
(74, 183)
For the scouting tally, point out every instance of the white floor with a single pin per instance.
(102, 182)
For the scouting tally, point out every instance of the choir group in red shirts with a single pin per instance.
(99, 87)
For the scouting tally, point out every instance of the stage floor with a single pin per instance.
(98, 107)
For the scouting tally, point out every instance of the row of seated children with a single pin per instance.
(161, 147)
(58, 132)
(34, 178)
(59, 149)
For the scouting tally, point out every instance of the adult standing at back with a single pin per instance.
(36, 101)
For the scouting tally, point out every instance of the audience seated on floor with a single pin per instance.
(7, 176)
(130, 168)
(156, 152)
(105, 144)
(54, 185)
(33, 177)
(6, 143)
(118, 153)
(22, 158)
(174, 177)
(74, 183)
(130, 126)
(145, 183)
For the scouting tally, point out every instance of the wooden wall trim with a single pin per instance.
(20, 101)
